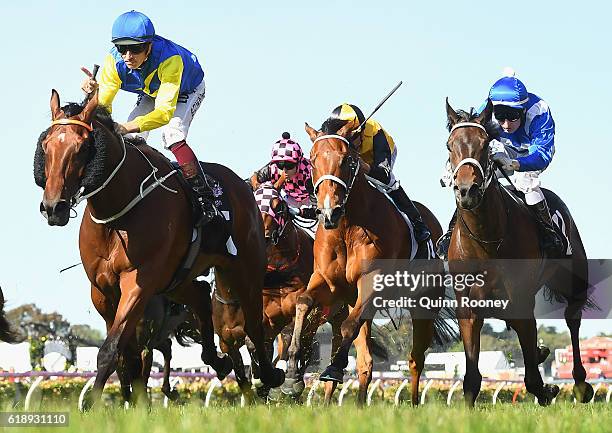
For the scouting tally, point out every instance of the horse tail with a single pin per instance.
(6, 332)
(446, 327)
(187, 333)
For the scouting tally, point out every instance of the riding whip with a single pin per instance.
(380, 104)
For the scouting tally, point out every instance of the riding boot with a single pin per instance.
(201, 184)
(444, 241)
(421, 231)
(552, 244)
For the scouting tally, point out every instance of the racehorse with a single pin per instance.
(358, 224)
(493, 224)
(6, 332)
(132, 251)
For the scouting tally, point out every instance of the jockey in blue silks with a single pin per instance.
(526, 147)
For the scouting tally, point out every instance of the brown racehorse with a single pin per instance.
(493, 225)
(359, 224)
(136, 255)
(6, 333)
(290, 266)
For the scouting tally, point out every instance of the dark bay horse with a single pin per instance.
(132, 252)
(359, 224)
(493, 224)
(6, 332)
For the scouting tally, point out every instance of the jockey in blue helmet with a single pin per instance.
(169, 82)
(526, 147)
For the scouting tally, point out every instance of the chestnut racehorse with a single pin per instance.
(132, 251)
(359, 224)
(493, 224)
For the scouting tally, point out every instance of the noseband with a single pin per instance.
(353, 166)
(487, 172)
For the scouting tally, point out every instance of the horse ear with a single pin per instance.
(312, 133)
(487, 113)
(56, 111)
(345, 131)
(451, 114)
(92, 104)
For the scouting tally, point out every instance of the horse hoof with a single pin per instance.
(257, 383)
(288, 385)
(274, 379)
(173, 395)
(332, 374)
(262, 391)
(550, 392)
(543, 353)
(583, 392)
(224, 367)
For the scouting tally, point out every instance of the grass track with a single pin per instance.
(522, 418)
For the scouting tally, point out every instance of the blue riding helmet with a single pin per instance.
(132, 28)
(509, 91)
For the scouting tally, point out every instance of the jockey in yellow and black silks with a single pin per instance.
(169, 82)
(377, 148)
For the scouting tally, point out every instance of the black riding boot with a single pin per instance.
(202, 185)
(444, 241)
(552, 244)
(421, 231)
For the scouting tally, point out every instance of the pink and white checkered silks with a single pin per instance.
(289, 150)
(264, 195)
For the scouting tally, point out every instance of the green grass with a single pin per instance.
(520, 418)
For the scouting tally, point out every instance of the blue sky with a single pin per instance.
(270, 66)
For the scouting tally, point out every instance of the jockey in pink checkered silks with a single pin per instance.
(289, 171)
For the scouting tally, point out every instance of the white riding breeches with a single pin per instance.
(177, 129)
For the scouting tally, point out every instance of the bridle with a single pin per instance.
(79, 196)
(487, 174)
(353, 164)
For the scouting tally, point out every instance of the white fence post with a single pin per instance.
(344, 390)
(312, 392)
(451, 391)
(213, 384)
(373, 388)
(399, 391)
(33, 388)
(427, 386)
(497, 390)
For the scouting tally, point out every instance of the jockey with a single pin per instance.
(377, 148)
(288, 162)
(526, 147)
(169, 82)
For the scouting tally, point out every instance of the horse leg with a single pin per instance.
(364, 361)
(249, 294)
(166, 350)
(350, 330)
(528, 336)
(239, 370)
(200, 303)
(470, 334)
(583, 391)
(422, 334)
(129, 311)
(336, 324)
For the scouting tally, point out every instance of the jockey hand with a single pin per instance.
(126, 128)
(506, 163)
(89, 84)
(309, 213)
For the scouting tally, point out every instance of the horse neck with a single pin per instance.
(488, 220)
(359, 199)
(287, 246)
(123, 186)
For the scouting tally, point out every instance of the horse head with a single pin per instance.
(63, 153)
(274, 211)
(335, 165)
(468, 146)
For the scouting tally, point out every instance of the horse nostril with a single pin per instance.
(61, 207)
(463, 190)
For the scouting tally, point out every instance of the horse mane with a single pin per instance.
(95, 170)
(493, 128)
(332, 125)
